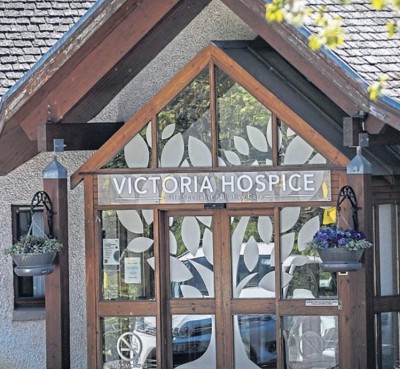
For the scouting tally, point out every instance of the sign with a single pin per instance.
(322, 303)
(214, 187)
(133, 270)
(111, 252)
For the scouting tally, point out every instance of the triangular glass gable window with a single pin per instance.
(247, 133)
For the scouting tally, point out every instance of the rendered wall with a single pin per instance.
(22, 343)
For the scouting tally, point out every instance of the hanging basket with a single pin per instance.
(340, 260)
(34, 264)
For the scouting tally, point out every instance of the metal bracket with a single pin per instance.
(347, 192)
(41, 198)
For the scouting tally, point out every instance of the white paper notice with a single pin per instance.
(133, 270)
(111, 252)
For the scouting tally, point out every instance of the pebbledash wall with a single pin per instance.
(22, 343)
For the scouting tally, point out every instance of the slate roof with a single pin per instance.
(367, 49)
(28, 29)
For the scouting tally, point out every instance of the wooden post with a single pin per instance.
(360, 315)
(57, 283)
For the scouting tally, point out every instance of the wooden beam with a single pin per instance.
(77, 136)
(57, 283)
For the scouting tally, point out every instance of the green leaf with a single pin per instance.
(378, 4)
(391, 28)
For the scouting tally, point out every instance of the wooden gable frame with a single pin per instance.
(211, 54)
(120, 37)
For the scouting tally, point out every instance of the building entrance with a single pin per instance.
(206, 289)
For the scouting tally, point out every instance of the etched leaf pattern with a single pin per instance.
(178, 271)
(241, 145)
(307, 232)
(191, 234)
(199, 153)
(251, 254)
(264, 227)
(137, 153)
(257, 139)
(131, 220)
(289, 217)
(232, 157)
(168, 131)
(297, 152)
(173, 151)
(140, 244)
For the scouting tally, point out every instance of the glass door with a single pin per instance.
(220, 315)
(215, 289)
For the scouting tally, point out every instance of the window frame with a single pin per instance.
(20, 301)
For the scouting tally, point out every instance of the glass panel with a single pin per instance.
(127, 255)
(193, 340)
(390, 340)
(293, 150)
(184, 128)
(136, 153)
(302, 277)
(252, 245)
(255, 341)
(245, 128)
(129, 342)
(191, 257)
(387, 249)
(311, 342)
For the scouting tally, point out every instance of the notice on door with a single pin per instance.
(133, 270)
(111, 251)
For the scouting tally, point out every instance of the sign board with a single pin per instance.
(214, 187)
(111, 252)
(322, 303)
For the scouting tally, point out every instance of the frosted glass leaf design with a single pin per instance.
(185, 164)
(307, 232)
(297, 152)
(206, 275)
(191, 234)
(140, 244)
(264, 227)
(242, 360)
(257, 139)
(190, 292)
(206, 220)
(289, 217)
(232, 157)
(199, 153)
(207, 360)
(148, 216)
(148, 135)
(296, 260)
(236, 243)
(131, 220)
(241, 145)
(173, 245)
(268, 282)
(318, 159)
(268, 162)
(255, 163)
(137, 153)
(221, 162)
(242, 284)
(173, 151)
(151, 262)
(290, 132)
(208, 246)
(272, 257)
(285, 279)
(178, 270)
(251, 254)
(171, 221)
(287, 242)
(168, 131)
